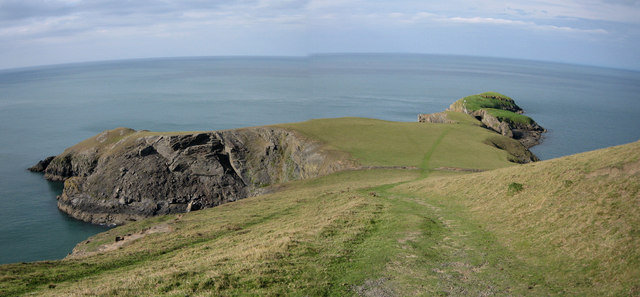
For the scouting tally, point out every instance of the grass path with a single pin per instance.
(435, 250)
(438, 251)
(424, 165)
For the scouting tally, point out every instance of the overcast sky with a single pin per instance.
(594, 32)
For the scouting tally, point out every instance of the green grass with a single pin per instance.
(574, 220)
(486, 100)
(570, 229)
(382, 143)
(514, 188)
(510, 117)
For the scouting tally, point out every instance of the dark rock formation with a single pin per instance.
(122, 175)
(42, 165)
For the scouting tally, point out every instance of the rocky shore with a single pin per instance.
(124, 175)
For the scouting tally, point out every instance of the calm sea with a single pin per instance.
(46, 109)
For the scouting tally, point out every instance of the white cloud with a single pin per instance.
(480, 20)
(532, 25)
(36, 23)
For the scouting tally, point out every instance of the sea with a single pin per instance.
(45, 109)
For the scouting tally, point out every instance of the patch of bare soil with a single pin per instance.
(375, 288)
(120, 241)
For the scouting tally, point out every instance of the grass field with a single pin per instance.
(572, 229)
(381, 143)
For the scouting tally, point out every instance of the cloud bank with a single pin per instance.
(36, 32)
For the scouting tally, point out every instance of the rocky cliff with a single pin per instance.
(123, 175)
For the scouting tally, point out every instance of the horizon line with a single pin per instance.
(231, 56)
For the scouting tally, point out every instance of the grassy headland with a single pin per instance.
(412, 221)
(487, 100)
(500, 106)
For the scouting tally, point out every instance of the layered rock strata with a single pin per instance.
(123, 175)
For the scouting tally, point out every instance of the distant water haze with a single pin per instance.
(43, 110)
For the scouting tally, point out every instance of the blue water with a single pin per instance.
(46, 109)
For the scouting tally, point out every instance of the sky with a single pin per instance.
(592, 32)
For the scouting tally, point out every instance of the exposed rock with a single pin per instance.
(528, 134)
(114, 178)
(42, 165)
(438, 118)
(493, 123)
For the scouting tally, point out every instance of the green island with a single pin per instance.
(441, 207)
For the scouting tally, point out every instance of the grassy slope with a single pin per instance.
(391, 231)
(575, 223)
(382, 143)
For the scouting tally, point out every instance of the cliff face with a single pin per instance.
(122, 175)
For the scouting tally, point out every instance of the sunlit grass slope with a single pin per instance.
(570, 229)
(574, 221)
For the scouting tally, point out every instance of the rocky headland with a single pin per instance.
(124, 175)
(497, 112)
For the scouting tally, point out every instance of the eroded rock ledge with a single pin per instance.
(122, 175)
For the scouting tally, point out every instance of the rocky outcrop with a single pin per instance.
(501, 114)
(528, 134)
(41, 165)
(437, 118)
(123, 175)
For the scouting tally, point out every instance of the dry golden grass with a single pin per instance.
(576, 217)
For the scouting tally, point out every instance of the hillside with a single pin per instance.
(414, 217)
